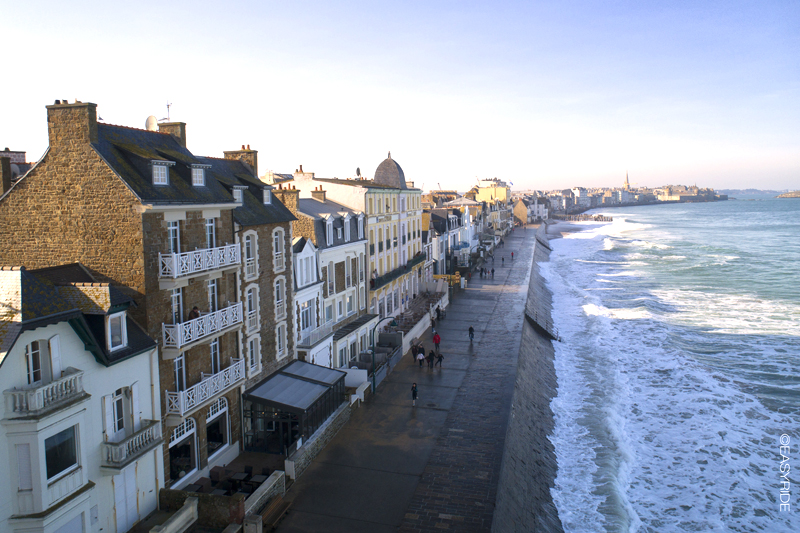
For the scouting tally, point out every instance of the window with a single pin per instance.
(174, 237)
(277, 247)
(369, 206)
(61, 452)
(329, 232)
(250, 264)
(363, 299)
(254, 349)
(118, 411)
(212, 295)
(350, 306)
(33, 359)
(361, 227)
(252, 309)
(117, 332)
(267, 197)
(160, 174)
(215, 368)
(177, 305)
(237, 195)
(280, 340)
(331, 279)
(211, 237)
(342, 356)
(198, 177)
(340, 308)
(347, 229)
(305, 314)
(328, 313)
(280, 304)
(180, 374)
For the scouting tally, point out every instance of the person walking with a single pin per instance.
(431, 357)
(433, 323)
(436, 340)
(413, 394)
(503, 261)
(471, 333)
(421, 358)
(512, 256)
(492, 272)
(439, 359)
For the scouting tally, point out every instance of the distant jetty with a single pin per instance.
(793, 194)
(583, 218)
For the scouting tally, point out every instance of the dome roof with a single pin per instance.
(389, 173)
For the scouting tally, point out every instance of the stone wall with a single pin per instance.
(275, 485)
(212, 511)
(311, 448)
(529, 467)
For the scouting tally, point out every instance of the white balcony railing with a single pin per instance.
(176, 336)
(280, 310)
(25, 401)
(175, 266)
(309, 339)
(211, 385)
(121, 453)
(279, 262)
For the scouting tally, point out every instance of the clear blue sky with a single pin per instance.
(543, 94)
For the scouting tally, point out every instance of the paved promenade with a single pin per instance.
(435, 466)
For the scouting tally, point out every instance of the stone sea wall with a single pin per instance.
(528, 469)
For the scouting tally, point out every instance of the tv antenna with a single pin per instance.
(168, 106)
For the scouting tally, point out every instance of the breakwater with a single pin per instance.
(583, 218)
(528, 469)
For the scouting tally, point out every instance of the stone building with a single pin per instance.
(81, 445)
(166, 227)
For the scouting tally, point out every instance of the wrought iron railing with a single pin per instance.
(184, 264)
(380, 281)
(211, 385)
(177, 336)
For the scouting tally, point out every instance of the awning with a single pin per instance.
(295, 387)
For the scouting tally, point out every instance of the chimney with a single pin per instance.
(5, 174)
(176, 129)
(318, 194)
(246, 155)
(67, 123)
(288, 197)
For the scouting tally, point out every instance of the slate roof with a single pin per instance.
(389, 173)
(253, 211)
(349, 328)
(129, 152)
(318, 211)
(298, 244)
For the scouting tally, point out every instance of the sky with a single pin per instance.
(543, 94)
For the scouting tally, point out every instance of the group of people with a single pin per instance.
(433, 358)
(486, 272)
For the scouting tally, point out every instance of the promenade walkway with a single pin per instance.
(435, 466)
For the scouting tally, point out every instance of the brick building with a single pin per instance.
(170, 229)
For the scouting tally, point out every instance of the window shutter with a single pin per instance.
(24, 466)
(55, 356)
(137, 417)
(109, 415)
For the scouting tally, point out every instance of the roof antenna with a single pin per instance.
(167, 119)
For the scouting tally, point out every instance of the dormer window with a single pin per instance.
(161, 172)
(329, 232)
(117, 332)
(267, 197)
(347, 228)
(361, 227)
(199, 175)
(238, 194)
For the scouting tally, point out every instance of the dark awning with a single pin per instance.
(295, 387)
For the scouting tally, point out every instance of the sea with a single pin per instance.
(679, 368)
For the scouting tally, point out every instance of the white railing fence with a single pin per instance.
(189, 263)
(211, 385)
(178, 335)
(115, 453)
(22, 401)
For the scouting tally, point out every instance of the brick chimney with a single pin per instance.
(5, 174)
(288, 197)
(245, 155)
(318, 194)
(69, 123)
(176, 129)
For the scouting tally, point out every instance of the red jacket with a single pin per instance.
(437, 339)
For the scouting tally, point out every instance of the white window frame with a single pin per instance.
(254, 355)
(72, 468)
(29, 360)
(360, 227)
(329, 232)
(250, 246)
(161, 172)
(346, 228)
(252, 307)
(123, 331)
(211, 233)
(267, 197)
(280, 340)
(176, 305)
(279, 289)
(198, 176)
(179, 369)
(278, 250)
(216, 362)
(213, 295)
(174, 236)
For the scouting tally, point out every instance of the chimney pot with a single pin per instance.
(242, 147)
(301, 168)
(248, 146)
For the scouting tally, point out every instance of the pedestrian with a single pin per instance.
(492, 258)
(438, 313)
(433, 323)
(413, 394)
(471, 333)
(492, 272)
(421, 358)
(503, 261)
(439, 360)
(431, 356)
(436, 340)
(512, 256)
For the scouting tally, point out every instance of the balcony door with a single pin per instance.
(126, 507)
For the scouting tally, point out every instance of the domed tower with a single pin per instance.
(389, 173)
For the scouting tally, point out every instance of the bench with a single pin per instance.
(273, 512)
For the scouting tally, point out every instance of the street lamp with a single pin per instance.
(393, 323)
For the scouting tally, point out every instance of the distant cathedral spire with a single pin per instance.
(627, 184)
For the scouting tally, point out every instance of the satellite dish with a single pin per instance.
(151, 124)
(358, 171)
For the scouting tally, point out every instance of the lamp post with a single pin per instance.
(393, 324)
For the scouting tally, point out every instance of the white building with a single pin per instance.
(80, 432)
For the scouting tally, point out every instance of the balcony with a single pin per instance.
(280, 310)
(117, 455)
(252, 321)
(177, 267)
(180, 404)
(180, 337)
(380, 281)
(279, 262)
(41, 399)
(315, 336)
